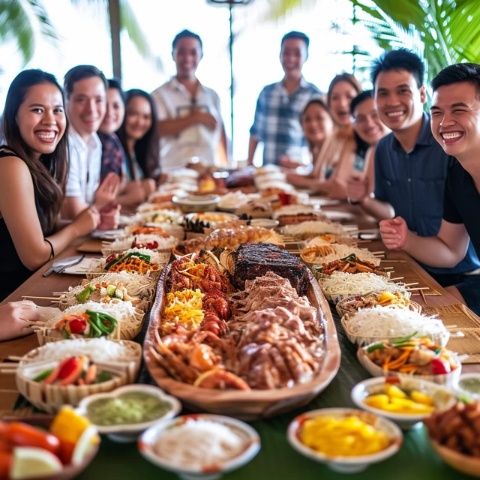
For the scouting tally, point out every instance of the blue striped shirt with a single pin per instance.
(277, 120)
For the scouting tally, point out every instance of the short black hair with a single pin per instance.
(401, 59)
(360, 98)
(296, 35)
(460, 72)
(114, 84)
(186, 34)
(81, 72)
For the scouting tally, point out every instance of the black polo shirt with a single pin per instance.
(462, 202)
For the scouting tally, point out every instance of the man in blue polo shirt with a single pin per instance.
(456, 127)
(410, 166)
(277, 115)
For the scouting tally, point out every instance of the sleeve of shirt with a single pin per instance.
(162, 109)
(258, 128)
(74, 187)
(450, 212)
(380, 183)
(217, 106)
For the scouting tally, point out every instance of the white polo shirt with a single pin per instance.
(173, 100)
(84, 168)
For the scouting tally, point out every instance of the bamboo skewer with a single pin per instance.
(397, 278)
(33, 297)
(393, 260)
(423, 297)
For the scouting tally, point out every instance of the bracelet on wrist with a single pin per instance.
(52, 251)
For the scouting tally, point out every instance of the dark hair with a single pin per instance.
(186, 34)
(81, 72)
(114, 84)
(50, 170)
(360, 98)
(460, 72)
(315, 101)
(343, 77)
(297, 36)
(146, 148)
(401, 59)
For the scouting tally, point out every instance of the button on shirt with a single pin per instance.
(173, 100)
(414, 183)
(85, 160)
(277, 120)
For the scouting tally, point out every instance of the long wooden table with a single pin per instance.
(276, 459)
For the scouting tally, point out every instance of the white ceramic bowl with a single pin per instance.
(250, 437)
(196, 203)
(127, 432)
(448, 379)
(264, 222)
(443, 398)
(465, 384)
(345, 464)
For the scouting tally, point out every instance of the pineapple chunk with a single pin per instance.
(421, 397)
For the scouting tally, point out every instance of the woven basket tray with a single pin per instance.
(50, 398)
(255, 403)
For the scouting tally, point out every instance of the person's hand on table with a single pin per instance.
(394, 233)
(109, 217)
(287, 162)
(357, 189)
(15, 319)
(107, 191)
(86, 221)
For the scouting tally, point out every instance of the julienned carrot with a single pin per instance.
(408, 368)
(398, 362)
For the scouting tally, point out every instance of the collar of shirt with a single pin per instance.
(179, 87)
(424, 139)
(302, 86)
(92, 142)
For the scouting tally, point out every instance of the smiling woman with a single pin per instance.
(33, 165)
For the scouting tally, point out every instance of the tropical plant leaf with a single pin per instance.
(20, 21)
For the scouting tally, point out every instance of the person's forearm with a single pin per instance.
(71, 207)
(252, 146)
(431, 251)
(174, 126)
(376, 208)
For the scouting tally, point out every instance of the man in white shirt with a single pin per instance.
(85, 90)
(190, 122)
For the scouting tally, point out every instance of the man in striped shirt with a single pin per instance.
(277, 115)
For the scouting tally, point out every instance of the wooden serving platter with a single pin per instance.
(253, 404)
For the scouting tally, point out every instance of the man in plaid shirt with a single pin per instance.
(277, 115)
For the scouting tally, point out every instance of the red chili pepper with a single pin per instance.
(77, 325)
(439, 366)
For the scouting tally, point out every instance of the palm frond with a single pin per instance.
(20, 20)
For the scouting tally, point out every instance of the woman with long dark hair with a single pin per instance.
(138, 134)
(34, 166)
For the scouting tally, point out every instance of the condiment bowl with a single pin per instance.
(469, 385)
(196, 203)
(447, 379)
(126, 423)
(463, 463)
(442, 397)
(346, 464)
(205, 465)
